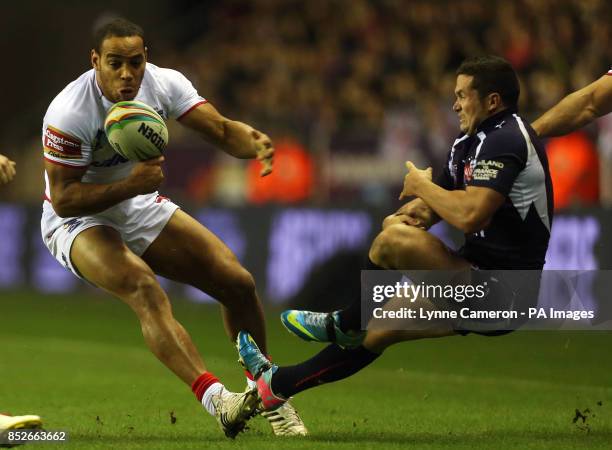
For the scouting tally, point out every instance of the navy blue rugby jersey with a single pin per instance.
(505, 154)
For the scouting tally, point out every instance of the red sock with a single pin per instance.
(202, 383)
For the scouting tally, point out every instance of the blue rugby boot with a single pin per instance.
(320, 327)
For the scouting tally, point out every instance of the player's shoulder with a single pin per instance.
(170, 88)
(509, 127)
(508, 135)
(163, 75)
(75, 107)
(75, 91)
(75, 98)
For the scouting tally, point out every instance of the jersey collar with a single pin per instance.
(496, 119)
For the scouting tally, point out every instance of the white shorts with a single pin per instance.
(139, 220)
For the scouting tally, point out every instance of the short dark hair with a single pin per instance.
(492, 74)
(118, 27)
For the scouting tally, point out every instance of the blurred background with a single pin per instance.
(348, 90)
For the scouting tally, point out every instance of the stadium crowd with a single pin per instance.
(350, 61)
(378, 76)
(364, 85)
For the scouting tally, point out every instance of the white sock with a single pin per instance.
(251, 383)
(208, 396)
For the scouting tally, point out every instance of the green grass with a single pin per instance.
(80, 363)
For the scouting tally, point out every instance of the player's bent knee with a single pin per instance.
(246, 283)
(391, 220)
(378, 253)
(239, 288)
(393, 239)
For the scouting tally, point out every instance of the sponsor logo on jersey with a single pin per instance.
(487, 170)
(487, 163)
(61, 145)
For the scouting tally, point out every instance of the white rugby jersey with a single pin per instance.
(73, 127)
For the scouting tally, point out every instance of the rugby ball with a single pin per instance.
(136, 131)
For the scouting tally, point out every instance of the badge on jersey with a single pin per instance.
(59, 144)
(487, 170)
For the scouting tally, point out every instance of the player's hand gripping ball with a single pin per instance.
(136, 131)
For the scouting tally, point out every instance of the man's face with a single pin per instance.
(120, 66)
(468, 105)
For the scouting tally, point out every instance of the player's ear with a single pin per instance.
(95, 59)
(494, 101)
(146, 53)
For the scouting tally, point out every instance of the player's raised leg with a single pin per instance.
(398, 246)
(129, 278)
(333, 363)
(187, 252)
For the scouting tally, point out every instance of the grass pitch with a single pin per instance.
(80, 362)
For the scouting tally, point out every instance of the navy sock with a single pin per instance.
(350, 317)
(331, 364)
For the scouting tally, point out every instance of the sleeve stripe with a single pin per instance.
(201, 102)
(66, 165)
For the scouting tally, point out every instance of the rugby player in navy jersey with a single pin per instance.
(495, 187)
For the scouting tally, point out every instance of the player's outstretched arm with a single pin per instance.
(235, 138)
(72, 198)
(577, 109)
(7, 169)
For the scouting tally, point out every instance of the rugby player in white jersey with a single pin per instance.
(8, 422)
(104, 220)
(577, 109)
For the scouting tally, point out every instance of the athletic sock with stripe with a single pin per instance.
(331, 364)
